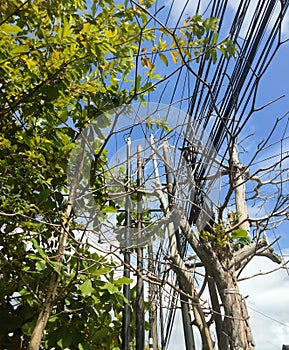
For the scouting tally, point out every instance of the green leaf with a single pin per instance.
(13, 29)
(52, 319)
(65, 338)
(213, 53)
(112, 289)
(83, 346)
(86, 288)
(40, 265)
(28, 328)
(239, 233)
(211, 23)
(19, 49)
(138, 81)
(40, 250)
(241, 242)
(102, 271)
(147, 86)
(56, 265)
(215, 38)
(109, 209)
(123, 280)
(66, 28)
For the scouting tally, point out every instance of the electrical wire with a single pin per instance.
(231, 83)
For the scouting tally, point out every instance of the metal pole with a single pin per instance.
(140, 324)
(126, 272)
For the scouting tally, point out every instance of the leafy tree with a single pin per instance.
(63, 64)
(60, 64)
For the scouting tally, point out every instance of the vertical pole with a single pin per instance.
(168, 173)
(239, 184)
(241, 210)
(153, 333)
(126, 273)
(140, 324)
(163, 342)
(187, 322)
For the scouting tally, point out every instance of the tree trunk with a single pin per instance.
(51, 292)
(44, 313)
(233, 328)
(48, 303)
(235, 333)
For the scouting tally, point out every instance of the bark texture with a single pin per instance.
(232, 321)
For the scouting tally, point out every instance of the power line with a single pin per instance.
(269, 317)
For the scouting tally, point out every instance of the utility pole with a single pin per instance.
(140, 324)
(126, 273)
(239, 186)
(242, 214)
(186, 317)
(153, 333)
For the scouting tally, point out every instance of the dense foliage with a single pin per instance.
(62, 64)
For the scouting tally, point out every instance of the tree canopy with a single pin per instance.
(62, 65)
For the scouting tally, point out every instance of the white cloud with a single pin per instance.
(268, 304)
(268, 307)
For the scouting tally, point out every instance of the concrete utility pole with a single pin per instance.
(239, 186)
(140, 322)
(126, 273)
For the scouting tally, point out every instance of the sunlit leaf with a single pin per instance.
(164, 58)
(174, 57)
(123, 280)
(7, 28)
(86, 288)
(110, 287)
(239, 233)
